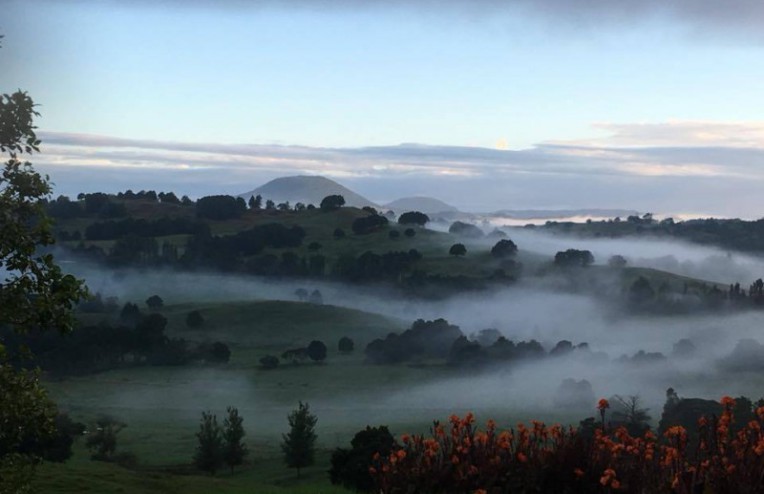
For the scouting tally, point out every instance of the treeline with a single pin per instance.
(438, 339)
(728, 233)
(135, 339)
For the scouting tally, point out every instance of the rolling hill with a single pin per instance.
(307, 189)
(427, 205)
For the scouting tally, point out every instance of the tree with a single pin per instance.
(102, 441)
(154, 302)
(258, 202)
(345, 345)
(573, 257)
(332, 202)
(504, 248)
(234, 449)
(409, 232)
(209, 451)
(34, 292)
(465, 229)
(413, 218)
(194, 319)
(617, 261)
(317, 351)
(299, 444)
(339, 233)
(627, 411)
(350, 467)
(457, 250)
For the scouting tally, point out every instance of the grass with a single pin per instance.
(267, 476)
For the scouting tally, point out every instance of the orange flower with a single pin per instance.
(728, 401)
(401, 454)
(603, 404)
(521, 457)
(578, 472)
(615, 484)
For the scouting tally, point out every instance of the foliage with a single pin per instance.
(465, 230)
(316, 351)
(234, 449)
(350, 467)
(332, 202)
(554, 459)
(154, 302)
(34, 292)
(102, 440)
(345, 345)
(424, 338)
(617, 261)
(220, 207)
(194, 319)
(504, 248)
(573, 257)
(368, 224)
(27, 415)
(299, 444)
(413, 218)
(409, 232)
(209, 451)
(457, 250)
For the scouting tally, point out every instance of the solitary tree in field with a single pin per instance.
(102, 441)
(299, 444)
(154, 302)
(209, 451)
(194, 319)
(413, 218)
(317, 351)
(504, 248)
(330, 203)
(457, 250)
(234, 449)
(345, 345)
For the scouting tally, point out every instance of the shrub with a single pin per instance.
(544, 458)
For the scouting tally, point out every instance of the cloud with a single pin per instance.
(735, 18)
(674, 167)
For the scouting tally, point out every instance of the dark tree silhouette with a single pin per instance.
(209, 451)
(457, 250)
(345, 345)
(154, 302)
(317, 351)
(299, 444)
(234, 449)
(504, 248)
(332, 202)
(413, 218)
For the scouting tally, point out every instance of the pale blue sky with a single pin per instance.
(327, 74)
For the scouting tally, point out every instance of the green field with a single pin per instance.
(162, 405)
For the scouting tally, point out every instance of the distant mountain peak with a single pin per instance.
(427, 205)
(308, 189)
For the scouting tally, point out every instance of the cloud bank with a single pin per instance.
(672, 167)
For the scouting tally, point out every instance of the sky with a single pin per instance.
(485, 104)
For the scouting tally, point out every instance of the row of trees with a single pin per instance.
(219, 446)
